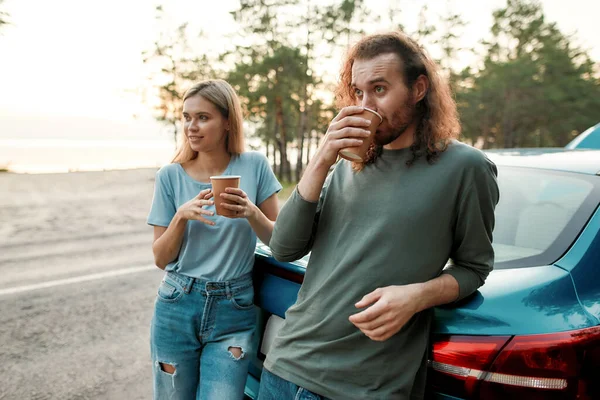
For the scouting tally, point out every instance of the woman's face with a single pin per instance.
(203, 125)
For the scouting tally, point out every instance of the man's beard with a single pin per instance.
(398, 123)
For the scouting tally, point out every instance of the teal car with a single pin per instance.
(589, 139)
(533, 330)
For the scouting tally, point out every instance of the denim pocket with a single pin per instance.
(244, 298)
(169, 292)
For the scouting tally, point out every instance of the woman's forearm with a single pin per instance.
(166, 247)
(261, 225)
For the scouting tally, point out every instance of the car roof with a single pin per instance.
(590, 139)
(585, 161)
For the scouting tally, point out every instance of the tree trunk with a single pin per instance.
(301, 134)
(282, 169)
(507, 123)
(175, 134)
(486, 132)
(276, 154)
(282, 142)
(308, 143)
(267, 148)
(316, 140)
(274, 166)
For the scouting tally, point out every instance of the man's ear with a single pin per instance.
(420, 88)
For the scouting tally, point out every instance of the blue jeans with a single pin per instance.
(273, 387)
(201, 338)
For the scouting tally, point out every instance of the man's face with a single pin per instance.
(379, 85)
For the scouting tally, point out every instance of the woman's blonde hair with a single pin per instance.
(223, 96)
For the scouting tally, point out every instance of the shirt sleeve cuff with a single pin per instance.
(296, 193)
(468, 282)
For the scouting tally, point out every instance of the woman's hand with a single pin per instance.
(243, 207)
(195, 208)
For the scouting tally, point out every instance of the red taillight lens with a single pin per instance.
(458, 362)
(563, 365)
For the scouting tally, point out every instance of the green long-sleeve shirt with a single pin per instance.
(387, 225)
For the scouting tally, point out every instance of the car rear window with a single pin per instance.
(540, 214)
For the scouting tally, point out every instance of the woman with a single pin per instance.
(204, 318)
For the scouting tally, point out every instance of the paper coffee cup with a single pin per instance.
(219, 184)
(359, 153)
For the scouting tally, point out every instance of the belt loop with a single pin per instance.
(228, 290)
(187, 288)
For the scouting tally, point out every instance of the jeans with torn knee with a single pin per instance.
(201, 338)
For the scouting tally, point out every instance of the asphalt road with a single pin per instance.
(77, 286)
(84, 339)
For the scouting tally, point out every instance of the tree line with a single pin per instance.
(529, 86)
(4, 16)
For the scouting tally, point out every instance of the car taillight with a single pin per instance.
(563, 365)
(459, 363)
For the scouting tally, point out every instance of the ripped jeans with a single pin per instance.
(201, 334)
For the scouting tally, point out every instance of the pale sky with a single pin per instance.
(77, 58)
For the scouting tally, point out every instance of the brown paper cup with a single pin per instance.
(359, 153)
(219, 184)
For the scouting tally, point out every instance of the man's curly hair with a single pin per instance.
(438, 117)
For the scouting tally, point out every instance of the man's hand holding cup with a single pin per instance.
(346, 130)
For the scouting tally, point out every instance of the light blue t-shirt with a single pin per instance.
(223, 251)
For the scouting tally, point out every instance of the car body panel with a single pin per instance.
(277, 286)
(583, 261)
(588, 139)
(585, 161)
(275, 294)
(526, 300)
(525, 294)
(534, 301)
(252, 386)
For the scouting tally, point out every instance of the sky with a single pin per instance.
(73, 68)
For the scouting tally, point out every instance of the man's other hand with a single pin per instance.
(389, 309)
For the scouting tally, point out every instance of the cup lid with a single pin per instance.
(374, 112)
(225, 177)
(350, 155)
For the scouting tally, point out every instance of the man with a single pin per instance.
(380, 234)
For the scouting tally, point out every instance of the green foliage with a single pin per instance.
(274, 76)
(4, 16)
(531, 86)
(535, 87)
(176, 67)
(424, 29)
(343, 20)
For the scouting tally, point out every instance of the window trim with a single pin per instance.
(565, 240)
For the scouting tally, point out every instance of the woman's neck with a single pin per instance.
(208, 164)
